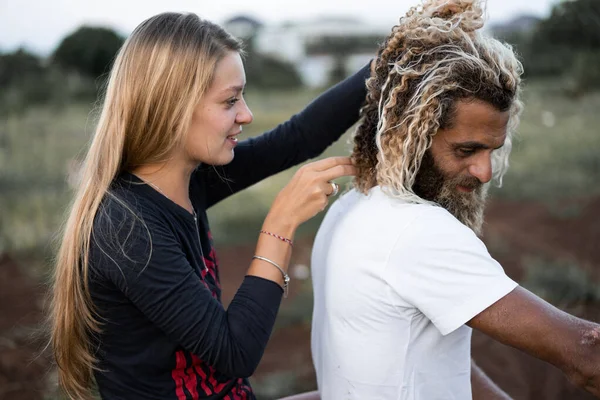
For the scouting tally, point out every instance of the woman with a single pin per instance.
(136, 300)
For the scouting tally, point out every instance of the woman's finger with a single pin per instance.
(332, 189)
(337, 172)
(328, 163)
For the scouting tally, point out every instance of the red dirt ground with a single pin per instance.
(522, 229)
(23, 371)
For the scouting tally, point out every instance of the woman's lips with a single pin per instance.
(233, 138)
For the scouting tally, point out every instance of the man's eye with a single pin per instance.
(466, 152)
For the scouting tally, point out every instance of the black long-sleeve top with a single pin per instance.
(154, 275)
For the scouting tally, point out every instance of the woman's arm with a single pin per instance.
(142, 255)
(160, 282)
(304, 136)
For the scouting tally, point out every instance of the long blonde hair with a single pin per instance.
(157, 79)
(434, 57)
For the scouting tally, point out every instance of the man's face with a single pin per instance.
(459, 162)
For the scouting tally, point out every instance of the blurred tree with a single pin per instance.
(564, 44)
(556, 44)
(584, 76)
(89, 51)
(18, 67)
(518, 32)
(574, 24)
(24, 81)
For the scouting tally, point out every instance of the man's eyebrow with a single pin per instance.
(474, 146)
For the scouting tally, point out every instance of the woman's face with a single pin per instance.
(218, 118)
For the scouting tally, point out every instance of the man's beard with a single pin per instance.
(432, 184)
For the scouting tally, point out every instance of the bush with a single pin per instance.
(89, 51)
(584, 76)
(563, 284)
(23, 81)
(552, 46)
(19, 67)
(53, 87)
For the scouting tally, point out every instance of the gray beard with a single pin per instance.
(431, 184)
(468, 208)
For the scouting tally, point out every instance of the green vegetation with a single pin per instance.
(555, 154)
(89, 51)
(564, 284)
(564, 44)
(554, 157)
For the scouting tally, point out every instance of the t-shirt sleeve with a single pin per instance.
(442, 268)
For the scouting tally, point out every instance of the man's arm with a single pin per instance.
(483, 387)
(526, 322)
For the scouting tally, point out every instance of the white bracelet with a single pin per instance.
(286, 277)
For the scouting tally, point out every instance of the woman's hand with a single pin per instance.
(306, 194)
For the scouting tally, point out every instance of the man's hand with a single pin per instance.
(483, 387)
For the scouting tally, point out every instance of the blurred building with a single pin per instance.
(522, 24)
(242, 26)
(321, 50)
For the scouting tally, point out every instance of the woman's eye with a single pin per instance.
(231, 102)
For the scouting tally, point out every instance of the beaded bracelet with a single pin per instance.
(288, 241)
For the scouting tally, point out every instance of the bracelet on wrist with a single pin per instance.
(284, 239)
(286, 277)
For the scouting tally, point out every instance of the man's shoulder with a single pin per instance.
(379, 205)
(425, 217)
(435, 217)
(434, 226)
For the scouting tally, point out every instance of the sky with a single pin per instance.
(39, 26)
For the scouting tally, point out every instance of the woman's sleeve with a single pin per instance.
(306, 135)
(157, 278)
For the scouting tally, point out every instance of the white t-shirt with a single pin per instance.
(394, 284)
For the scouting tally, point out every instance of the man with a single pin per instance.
(400, 276)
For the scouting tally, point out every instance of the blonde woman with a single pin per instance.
(136, 301)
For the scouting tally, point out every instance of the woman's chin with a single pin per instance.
(225, 158)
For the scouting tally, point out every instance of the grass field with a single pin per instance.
(555, 156)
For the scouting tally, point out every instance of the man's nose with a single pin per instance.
(481, 168)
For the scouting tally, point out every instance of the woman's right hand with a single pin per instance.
(306, 194)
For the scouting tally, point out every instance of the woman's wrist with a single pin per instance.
(281, 225)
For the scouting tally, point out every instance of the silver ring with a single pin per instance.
(335, 187)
